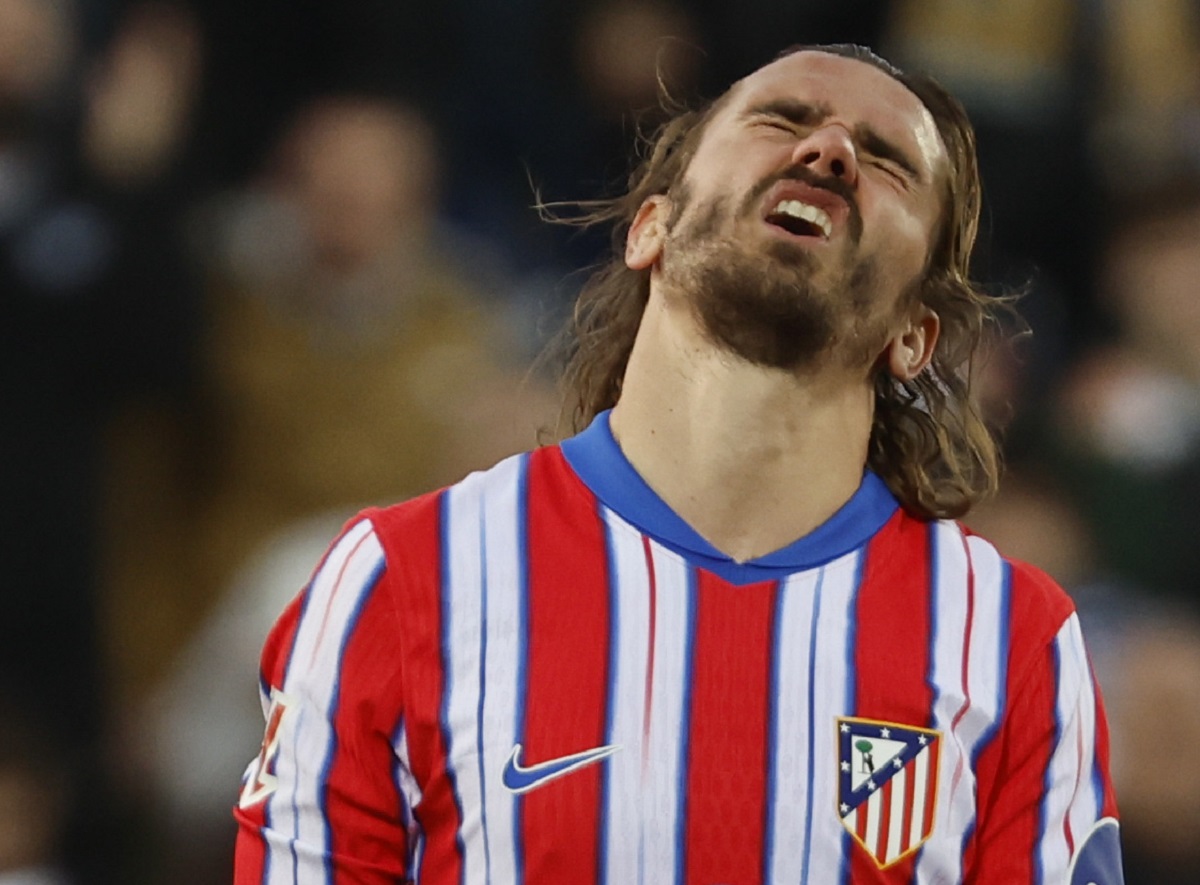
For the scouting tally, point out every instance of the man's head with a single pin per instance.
(821, 212)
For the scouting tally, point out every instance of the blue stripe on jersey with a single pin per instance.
(614, 630)
(685, 728)
(522, 682)
(331, 750)
(444, 713)
(812, 713)
(772, 727)
(483, 637)
(1001, 688)
(1043, 806)
(599, 462)
(850, 701)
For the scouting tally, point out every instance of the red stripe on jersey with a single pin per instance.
(412, 538)
(860, 821)
(727, 744)
(251, 851)
(567, 673)
(378, 842)
(885, 817)
(892, 646)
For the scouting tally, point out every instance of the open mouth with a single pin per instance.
(801, 219)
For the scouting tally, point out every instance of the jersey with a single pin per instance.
(543, 675)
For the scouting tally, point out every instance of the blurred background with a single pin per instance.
(264, 263)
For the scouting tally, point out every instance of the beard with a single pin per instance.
(768, 308)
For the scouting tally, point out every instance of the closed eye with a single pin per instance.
(892, 170)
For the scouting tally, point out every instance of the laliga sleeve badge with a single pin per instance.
(260, 780)
(1098, 860)
(887, 785)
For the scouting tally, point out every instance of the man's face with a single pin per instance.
(807, 212)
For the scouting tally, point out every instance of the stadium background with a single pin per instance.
(263, 263)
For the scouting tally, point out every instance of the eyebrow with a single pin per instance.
(803, 113)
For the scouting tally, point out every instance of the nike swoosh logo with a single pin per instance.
(520, 779)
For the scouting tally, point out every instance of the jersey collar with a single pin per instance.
(599, 462)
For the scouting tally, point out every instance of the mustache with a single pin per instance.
(800, 172)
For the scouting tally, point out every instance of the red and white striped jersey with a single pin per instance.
(543, 675)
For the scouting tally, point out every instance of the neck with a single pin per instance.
(751, 458)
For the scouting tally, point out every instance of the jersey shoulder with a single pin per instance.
(1038, 604)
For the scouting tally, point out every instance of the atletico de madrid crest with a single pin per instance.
(887, 785)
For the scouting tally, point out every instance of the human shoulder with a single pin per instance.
(405, 528)
(1038, 606)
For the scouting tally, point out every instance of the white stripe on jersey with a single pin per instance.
(662, 805)
(1069, 789)
(791, 749)
(484, 591)
(832, 650)
(985, 662)
(335, 597)
(410, 795)
(630, 614)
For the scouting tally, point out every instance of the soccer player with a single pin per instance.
(730, 632)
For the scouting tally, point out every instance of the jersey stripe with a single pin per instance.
(970, 666)
(565, 706)
(464, 626)
(663, 798)
(501, 536)
(791, 735)
(632, 598)
(336, 596)
(409, 792)
(727, 741)
(418, 564)
(361, 745)
(830, 686)
(988, 679)
(1067, 791)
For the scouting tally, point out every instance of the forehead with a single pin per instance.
(854, 91)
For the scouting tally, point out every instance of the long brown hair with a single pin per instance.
(929, 441)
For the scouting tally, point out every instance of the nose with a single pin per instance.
(829, 152)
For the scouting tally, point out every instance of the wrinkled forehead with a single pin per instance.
(855, 91)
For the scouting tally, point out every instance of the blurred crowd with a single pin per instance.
(263, 264)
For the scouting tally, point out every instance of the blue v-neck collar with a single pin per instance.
(599, 462)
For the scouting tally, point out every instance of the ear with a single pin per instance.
(643, 243)
(910, 350)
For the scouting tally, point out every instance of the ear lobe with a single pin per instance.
(643, 243)
(910, 351)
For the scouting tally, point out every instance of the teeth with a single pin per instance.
(812, 214)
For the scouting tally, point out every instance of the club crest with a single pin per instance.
(887, 785)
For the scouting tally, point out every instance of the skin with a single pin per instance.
(754, 456)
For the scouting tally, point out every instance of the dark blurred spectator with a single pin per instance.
(1127, 420)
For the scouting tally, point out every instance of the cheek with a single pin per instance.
(903, 243)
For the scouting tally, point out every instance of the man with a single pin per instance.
(660, 651)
